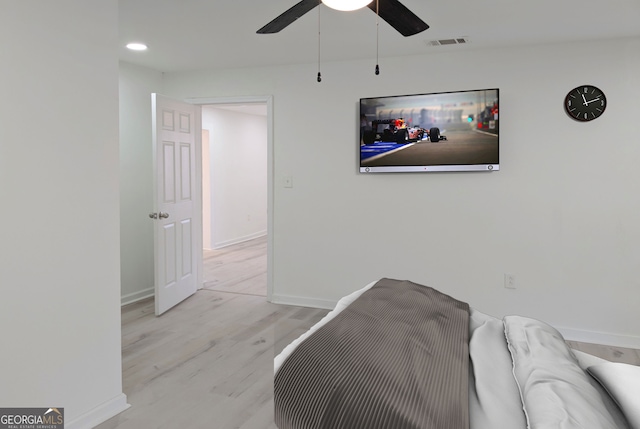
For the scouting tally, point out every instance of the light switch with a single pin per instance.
(287, 182)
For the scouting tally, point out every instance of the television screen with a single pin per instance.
(446, 131)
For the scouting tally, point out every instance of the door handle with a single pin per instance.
(161, 215)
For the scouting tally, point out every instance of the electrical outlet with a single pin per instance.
(509, 281)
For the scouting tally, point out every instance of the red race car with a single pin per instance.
(396, 130)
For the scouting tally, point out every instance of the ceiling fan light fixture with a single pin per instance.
(346, 4)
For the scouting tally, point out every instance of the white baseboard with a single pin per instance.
(607, 339)
(616, 340)
(239, 240)
(303, 302)
(99, 414)
(137, 296)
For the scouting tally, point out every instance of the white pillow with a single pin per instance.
(556, 392)
(622, 381)
(494, 399)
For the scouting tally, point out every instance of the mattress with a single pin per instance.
(523, 375)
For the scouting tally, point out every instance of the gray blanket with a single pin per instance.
(396, 358)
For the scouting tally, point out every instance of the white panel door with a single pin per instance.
(174, 139)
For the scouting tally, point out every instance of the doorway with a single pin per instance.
(237, 193)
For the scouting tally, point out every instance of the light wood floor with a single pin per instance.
(241, 268)
(208, 363)
(614, 354)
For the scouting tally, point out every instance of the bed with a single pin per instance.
(399, 355)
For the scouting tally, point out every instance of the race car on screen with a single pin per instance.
(396, 130)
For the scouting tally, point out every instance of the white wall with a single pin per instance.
(136, 180)
(560, 215)
(59, 245)
(238, 161)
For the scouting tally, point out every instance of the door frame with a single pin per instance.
(268, 100)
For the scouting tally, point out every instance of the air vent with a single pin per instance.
(446, 42)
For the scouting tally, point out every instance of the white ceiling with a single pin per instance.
(204, 34)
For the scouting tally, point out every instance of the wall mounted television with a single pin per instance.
(445, 131)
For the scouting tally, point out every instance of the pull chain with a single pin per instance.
(377, 35)
(319, 74)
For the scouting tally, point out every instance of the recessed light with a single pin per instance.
(137, 46)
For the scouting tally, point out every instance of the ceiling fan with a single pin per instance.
(395, 13)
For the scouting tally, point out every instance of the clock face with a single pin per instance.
(585, 103)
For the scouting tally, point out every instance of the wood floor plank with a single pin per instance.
(240, 268)
(612, 353)
(201, 361)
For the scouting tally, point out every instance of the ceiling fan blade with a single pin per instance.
(399, 17)
(289, 16)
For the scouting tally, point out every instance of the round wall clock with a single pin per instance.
(585, 103)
